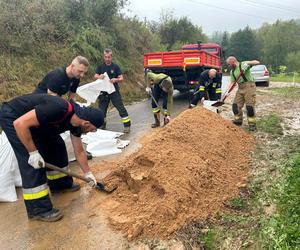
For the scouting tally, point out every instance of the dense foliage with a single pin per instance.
(275, 45)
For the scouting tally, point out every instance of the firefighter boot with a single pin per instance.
(156, 120)
(50, 216)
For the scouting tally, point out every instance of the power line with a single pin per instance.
(282, 8)
(225, 9)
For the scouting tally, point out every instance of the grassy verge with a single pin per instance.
(284, 78)
(282, 229)
(271, 124)
(289, 92)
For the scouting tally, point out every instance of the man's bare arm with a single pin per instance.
(120, 78)
(80, 153)
(22, 126)
(253, 62)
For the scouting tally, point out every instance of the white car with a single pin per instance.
(260, 74)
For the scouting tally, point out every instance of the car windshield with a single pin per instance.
(258, 68)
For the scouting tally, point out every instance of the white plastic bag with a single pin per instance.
(104, 142)
(8, 165)
(7, 188)
(91, 91)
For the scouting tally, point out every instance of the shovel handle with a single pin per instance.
(48, 165)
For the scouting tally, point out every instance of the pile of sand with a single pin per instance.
(183, 172)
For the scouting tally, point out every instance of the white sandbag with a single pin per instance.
(100, 134)
(7, 188)
(7, 167)
(17, 176)
(122, 143)
(104, 142)
(91, 91)
(103, 147)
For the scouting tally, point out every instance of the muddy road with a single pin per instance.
(85, 226)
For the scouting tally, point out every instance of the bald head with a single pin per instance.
(212, 73)
(232, 61)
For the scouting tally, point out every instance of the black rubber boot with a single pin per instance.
(73, 188)
(237, 123)
(156, 120)
(126, 130)
(51, 216)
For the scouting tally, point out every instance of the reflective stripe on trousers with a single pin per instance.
(155, 110)
(36, 192)
(125, 119)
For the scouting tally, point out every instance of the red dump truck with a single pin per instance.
(185, 65)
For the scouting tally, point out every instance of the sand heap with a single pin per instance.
(183, 172)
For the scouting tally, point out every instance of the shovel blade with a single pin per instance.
(218, 104)
(104, 188)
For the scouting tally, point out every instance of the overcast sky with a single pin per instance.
(213, 15)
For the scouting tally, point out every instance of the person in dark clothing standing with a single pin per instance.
(210, 87)
(32, 124)
(64, 80)
(115, 75)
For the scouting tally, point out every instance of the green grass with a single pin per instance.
(288, 92)
(271, 124)
(209, 239)
(284, 78)
(282, 230)
(237, 203)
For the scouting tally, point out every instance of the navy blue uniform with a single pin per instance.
(209, 88)
(58, 82)
(53, 114)
(113, 71)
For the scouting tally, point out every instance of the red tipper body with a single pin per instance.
(195, 57)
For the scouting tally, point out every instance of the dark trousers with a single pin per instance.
(34, 181)
(116, 99)
(157, 94)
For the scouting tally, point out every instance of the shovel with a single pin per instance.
(99, 186)
(227, 93)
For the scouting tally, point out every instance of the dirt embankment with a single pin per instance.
(183, 172)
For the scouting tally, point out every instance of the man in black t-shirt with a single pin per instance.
(115, 75)
(209, 87)
(32, 124)
(64, 80)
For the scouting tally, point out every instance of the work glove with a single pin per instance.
(36, 160)
(93, 181)
(148, 90)
(167, 119)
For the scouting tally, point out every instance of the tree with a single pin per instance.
(277, 40)
(179, 30)
(243, 45)
(293, 61)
